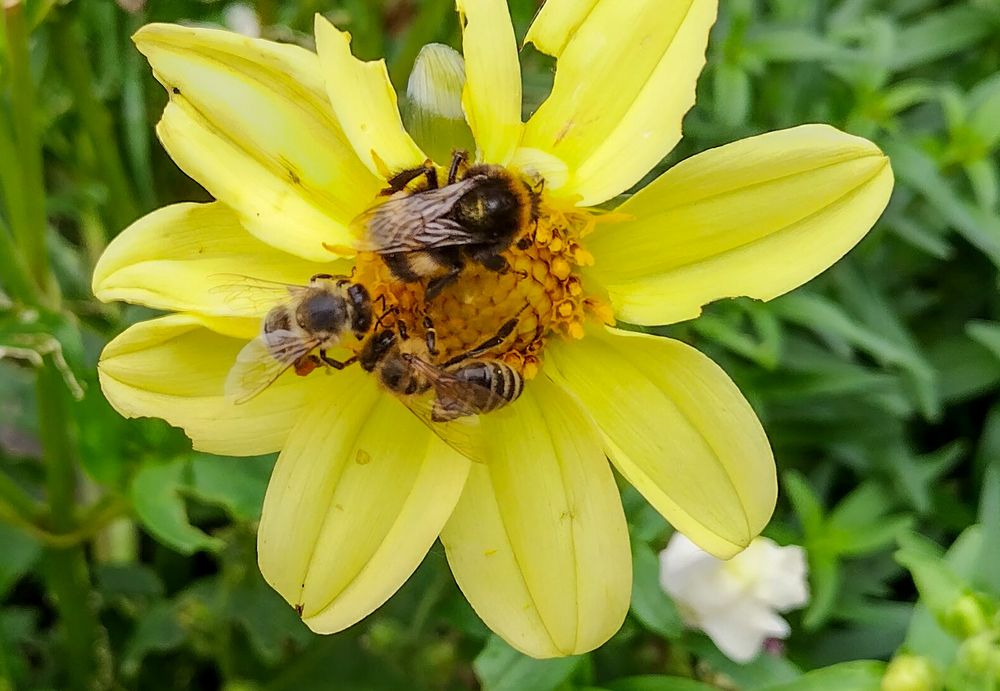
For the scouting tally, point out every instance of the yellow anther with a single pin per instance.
(565, 308)
(543, 234)
(530, 367)
(601, 310)
(560, 268)
(582, 256)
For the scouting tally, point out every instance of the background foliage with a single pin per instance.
(128, 560)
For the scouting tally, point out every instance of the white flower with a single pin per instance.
(736, 602)
(242, 19)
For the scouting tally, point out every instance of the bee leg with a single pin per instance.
(384, 311)
(436, 285)
(499, 337)
(432, 177)
(336, 364)
(430, 336)
(400, 180)
(324, 277)
(457, 159)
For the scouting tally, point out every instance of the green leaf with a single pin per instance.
(967, 368)
(984, 119)
(732, 91)
(825, 577)
(806, 504)
(159, 630)
(942, 33)
(501, 668)
(918, 170)
(986, 574)
(129, 581)
(236, 484)
(657, 683)
(860, 675)
(925, 636)
(650, 604)
(985, 333)
(270, 624)
(792, 44)
(156, 497)
(857, 525)
(763, 669)
(938, 584)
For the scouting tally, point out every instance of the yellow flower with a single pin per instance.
(294, 145)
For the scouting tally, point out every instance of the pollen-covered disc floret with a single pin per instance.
(542, 287)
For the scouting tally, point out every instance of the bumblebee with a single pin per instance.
(298, 330)
(431, 233)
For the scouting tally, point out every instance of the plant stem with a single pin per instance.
(13, 272)
(11, 180)
(68, 577)
(75, 64)
(31, 237)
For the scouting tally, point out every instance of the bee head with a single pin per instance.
(322, 312)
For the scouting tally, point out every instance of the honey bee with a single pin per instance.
(432, 233)
(302, 325)
(465, 385)
(304, 322)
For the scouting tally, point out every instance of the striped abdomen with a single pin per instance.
(475, 388)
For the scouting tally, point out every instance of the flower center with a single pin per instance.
(541, 288)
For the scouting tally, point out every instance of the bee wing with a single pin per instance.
(263, 360)
(464, 434)
(452, 409)
(415, 222)
(253, 295)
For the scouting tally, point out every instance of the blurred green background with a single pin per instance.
(127, 561)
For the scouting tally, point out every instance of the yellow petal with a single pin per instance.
(358, 496)
(538, 542)
(678, 429)
(492, 96)
(758, 218)
(365, 103)
(250, 121)
(623, 82)
(556, 22)
(190, 258)
(174, 368)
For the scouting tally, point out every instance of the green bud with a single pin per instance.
(966, 617)
(240, 685)
(976, 656)
(384, 636)
(432, 111)
(910, 673)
